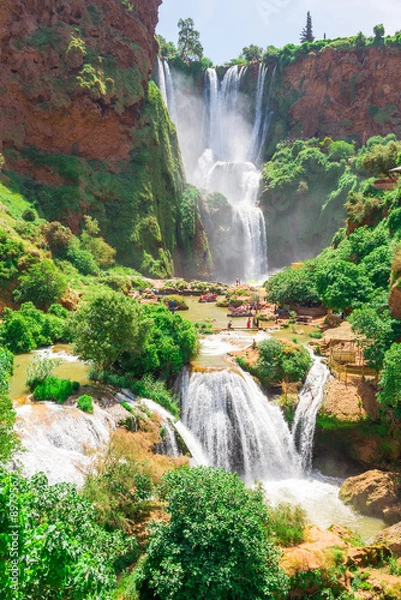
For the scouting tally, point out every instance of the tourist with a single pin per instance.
(248, 323)
(229, 325)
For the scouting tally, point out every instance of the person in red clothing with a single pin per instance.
(248, 323)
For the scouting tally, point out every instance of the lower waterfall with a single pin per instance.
(238, 428)
(310, 400)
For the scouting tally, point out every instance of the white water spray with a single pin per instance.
(238, 428)
(310, 400)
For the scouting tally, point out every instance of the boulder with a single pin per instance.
(374, 493)
(391, 537)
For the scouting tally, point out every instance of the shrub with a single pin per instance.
(42, 284)
(215, 540)
(63, 552)
(287, 524)
(54, 388)
(281, 361)
(85, 403)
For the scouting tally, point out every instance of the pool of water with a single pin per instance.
(71, 367)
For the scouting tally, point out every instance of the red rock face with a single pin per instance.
(43, 104)
(345, 92)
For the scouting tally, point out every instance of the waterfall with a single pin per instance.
(170, 92)
(238, 428)
(169, 445)
(267, 120)
(219, 152)
(161, 80)
(59, 440)
(310, 400)
(257, 132)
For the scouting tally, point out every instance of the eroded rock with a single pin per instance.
(374, 493)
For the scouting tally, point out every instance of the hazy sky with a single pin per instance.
(226, 26)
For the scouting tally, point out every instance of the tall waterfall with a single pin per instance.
(220, 147)
(238, 428)
(257, 132)
(310, 400)
(166, 86)
(226, 166)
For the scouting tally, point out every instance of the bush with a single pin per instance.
(29, 328)
(281, 361)
(85, 403)
(293, 286)
(54, 388)
(42, 284)
(63, 553)
(215, 543)
(287, 524)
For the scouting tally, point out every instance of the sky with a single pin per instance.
(227, 26)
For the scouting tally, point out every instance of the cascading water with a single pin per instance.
(60, 440)
(169, 444)
(238, 429)
(310, 400)
(258, 128)
(161, 80)
(220, 156)
(165, 84)
(228, 140)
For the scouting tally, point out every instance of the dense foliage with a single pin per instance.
(50, 545)
(215, 542)
(390, 381)
(169, 343)
(105, 327)
(279, 362)
(42, 284)
(8, 438)
(28, 328)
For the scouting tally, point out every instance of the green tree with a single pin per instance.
(8, 438)
(166, 49)
(252, 52)
(378, 30)
(62, 553)
(341, 284)
(279, 361)
(103, 254)
(189, 45)
(108, 325)
(170, 343)
(381, 158)
(307, 34)
(390, 381)
(215, 544)
(42, 284)
(293, 286)
(374, 332)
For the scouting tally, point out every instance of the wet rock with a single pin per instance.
(374, 493)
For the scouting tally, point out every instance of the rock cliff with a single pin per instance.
(74, 74)
(342, 93)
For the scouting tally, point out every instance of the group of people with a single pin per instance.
(254, 323)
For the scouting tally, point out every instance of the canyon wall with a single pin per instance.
(342, 93)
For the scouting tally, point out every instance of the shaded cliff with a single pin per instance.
(83, 133)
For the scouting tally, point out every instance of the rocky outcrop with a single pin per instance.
(74, 75)
(391, 537)
(374, 493)
(341, 93)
